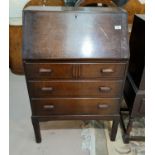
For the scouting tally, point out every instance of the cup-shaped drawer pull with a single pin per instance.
(46, 88)
(103, 106)
(48, 107)
(104, 89)
(108, 70)
(45, 70)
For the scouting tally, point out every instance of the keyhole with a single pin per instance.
(75, 16)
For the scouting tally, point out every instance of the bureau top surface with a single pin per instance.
(75, 33)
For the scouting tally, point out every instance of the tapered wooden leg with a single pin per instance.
(129, 127)
(128, 130)
(124, 135)
(36, 127)
(114, 129)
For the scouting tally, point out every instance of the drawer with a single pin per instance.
(75, 106)
(48, 70)
(71, 70)
(72, 88)
(100, 70)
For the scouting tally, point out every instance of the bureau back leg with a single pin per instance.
(36, 127)
(128, 130)
(114, 129)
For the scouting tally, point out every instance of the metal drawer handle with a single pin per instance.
(48, 106)
(103, 106)
(104, 89)
(44, 70)
(108, 70)
(46, 88)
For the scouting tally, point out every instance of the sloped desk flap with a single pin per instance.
(66, 33)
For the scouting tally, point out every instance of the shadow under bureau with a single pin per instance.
(75, 62)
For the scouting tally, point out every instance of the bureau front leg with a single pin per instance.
(114, 129)
(36, 127)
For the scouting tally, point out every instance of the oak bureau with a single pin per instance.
(75, 62)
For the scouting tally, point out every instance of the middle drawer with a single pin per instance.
(41, 89)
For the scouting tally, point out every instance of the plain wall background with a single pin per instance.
(16, 7)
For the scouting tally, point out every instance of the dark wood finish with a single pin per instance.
(75, 88)
(95, 39)
(75, 69)
(36, 127)
(134, 98)
(134, 90)
(114, 129)
(103, 70)
(75, 106)
(49, 71)
(137, 51)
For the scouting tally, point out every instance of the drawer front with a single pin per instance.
(75, 88)
(75, 106)
(69, 71)
(48, 71)
(100, 70)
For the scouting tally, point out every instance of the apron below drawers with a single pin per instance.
(47, 89)
(76, 106)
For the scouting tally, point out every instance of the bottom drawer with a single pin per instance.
(75, 106)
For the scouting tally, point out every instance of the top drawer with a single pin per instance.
(74, 70)
(48, 70)
(99, 70)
